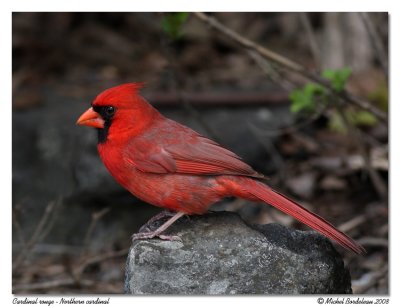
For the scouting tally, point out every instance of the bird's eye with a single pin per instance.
(109, 110)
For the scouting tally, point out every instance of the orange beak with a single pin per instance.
(91, 118)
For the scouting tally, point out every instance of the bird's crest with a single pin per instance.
(121, 95)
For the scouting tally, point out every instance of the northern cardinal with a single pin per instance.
(171, 166)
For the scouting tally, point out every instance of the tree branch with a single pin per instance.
(291, 65)
(316, 52)
(38, 233)
(376, 42)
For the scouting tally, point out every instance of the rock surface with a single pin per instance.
(220, 254)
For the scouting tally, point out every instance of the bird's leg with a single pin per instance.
(158, 231)
(146, 227)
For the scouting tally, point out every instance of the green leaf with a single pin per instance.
(338, 78)
(336, 123)
(380, 96)
(361, 117)
(355, 118)
(304, 99)
(172, 24)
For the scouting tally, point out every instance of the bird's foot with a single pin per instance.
(158, 232)
(146, 227)
(155, 234)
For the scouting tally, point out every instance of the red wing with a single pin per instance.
(203, 157)
(207, 157)
(160, 162)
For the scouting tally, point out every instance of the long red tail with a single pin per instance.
(288, 206)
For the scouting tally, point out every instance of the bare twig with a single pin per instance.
(76, 280)
(377, 181)
(37, 234)
(288, 86)
(368, 138)
(374, 241)
(96, 259)
(376, 42)
(49, 225)
(18, 228)
(305, 20)
(96, 216)
(353, 223)
(53, 284)
(76, 275)
(291, 65)
(270, 71)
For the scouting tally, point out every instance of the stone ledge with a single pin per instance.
(221, 254)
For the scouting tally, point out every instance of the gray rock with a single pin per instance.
(221, 254)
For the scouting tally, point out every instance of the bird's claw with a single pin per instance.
(143, 229)
(150, 235)
(170, 238)
(147, 226)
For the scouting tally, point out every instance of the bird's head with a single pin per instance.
(118, 110)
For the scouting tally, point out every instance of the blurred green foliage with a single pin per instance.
(353, 117)
(172, 24)
(361, 118)
(338, 78)
(305, 100)
(380, 96)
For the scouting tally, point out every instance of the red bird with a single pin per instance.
(171, 166)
